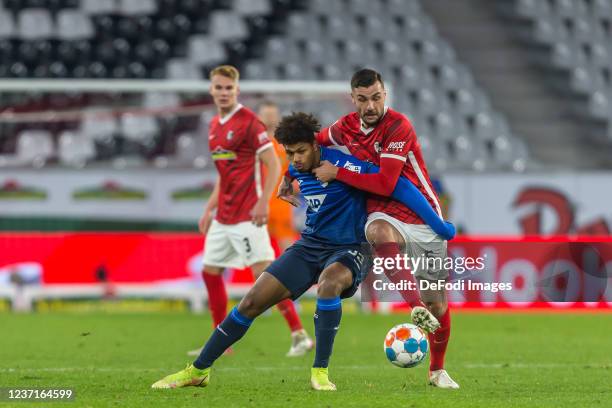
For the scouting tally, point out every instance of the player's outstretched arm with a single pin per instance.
(381, 183)
(408, 194)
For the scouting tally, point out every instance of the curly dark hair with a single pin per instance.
(296, 128)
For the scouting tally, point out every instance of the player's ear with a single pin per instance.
(237, 89)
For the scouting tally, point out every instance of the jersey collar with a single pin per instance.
(367, 131)
(223, 120)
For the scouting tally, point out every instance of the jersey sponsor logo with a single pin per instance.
(396, 146)
(230, 135)
(315, 201)
(352, 167)
(263, 137)
(222, 154)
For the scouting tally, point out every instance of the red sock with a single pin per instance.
(391, 250)
(438, 342)
(287, 309)
(217, 297)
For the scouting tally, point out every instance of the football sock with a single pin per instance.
(391, 250)
(438, 342)
(227, 333)
(326, 321)
(287, 309)
(217, 297)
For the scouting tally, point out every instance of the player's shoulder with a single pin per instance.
(249, 117)
(396, 118)
(246, 112)
(349, 121)
(332, 154)
(395, 122)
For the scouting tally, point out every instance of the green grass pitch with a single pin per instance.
(500, 360)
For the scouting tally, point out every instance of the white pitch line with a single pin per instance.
(301, 368)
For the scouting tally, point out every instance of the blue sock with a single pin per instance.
(326, 322)
(227, 333)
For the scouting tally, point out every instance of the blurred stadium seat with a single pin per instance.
(315, 40)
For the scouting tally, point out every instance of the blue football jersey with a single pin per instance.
(336, 213)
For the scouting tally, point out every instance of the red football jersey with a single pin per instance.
(235, 141)
(393, 137)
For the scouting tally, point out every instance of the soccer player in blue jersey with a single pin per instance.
(329, 253)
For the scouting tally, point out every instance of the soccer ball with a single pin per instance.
(406, 345)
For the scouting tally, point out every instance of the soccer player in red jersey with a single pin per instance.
(235, 217)
(378, 134)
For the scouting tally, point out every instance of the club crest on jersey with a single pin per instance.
(230, 135)
(315, 201)
(377, 147)
(352, 167)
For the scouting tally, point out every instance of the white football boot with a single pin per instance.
(424, 319)
(301, 343)
(441, 379)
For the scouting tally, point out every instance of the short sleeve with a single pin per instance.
(258, 137)
(400, 140)
(331, 136)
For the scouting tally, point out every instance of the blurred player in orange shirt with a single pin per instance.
(280, 220)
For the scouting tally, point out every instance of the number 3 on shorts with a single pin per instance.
(247, 244)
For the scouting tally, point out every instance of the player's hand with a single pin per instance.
(285, 192)
(259, 213)
(450, 231)
(204, 222)
(326, 172)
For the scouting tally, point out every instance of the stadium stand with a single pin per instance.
(461, 121)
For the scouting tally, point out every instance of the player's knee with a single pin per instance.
(380, 231)
(329, 288)
(250, 307)
(436, 308)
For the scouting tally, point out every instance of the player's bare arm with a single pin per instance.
(208, 214)
(287, 193)
(270, 161)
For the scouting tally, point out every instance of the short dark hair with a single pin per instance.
(366, 77)
(297, 128)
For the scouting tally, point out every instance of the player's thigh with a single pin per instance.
(381, 228)
(218, 250)
(432, 268)
(354, 260)
(334, 280)
(297, 269)
(265, 293)
(259, 267)
(252, 243)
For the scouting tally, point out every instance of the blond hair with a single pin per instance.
(228, 71)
